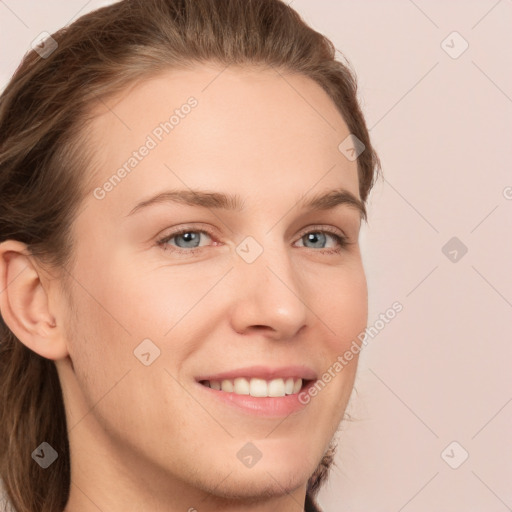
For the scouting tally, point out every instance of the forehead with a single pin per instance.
(257, 130)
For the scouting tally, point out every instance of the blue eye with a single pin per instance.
(317, 237)
(187, 241)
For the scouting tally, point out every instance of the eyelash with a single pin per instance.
(340, 239)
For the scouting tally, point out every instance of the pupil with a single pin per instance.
(188, 237)
(314, 238)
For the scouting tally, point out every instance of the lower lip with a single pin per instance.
(260, 406)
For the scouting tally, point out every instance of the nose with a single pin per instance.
(269, 295)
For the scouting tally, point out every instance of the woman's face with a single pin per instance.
(262, 291)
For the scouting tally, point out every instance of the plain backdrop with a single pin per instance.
(433, 407)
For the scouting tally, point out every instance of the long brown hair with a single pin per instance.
(44, 112)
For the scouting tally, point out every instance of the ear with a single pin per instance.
(24, 302)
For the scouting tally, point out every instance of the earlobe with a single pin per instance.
(24, 302)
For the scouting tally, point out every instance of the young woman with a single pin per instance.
(182, 186)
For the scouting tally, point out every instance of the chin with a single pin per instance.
(278, 472)
(260, 485)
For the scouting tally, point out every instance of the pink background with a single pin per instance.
(440, 371)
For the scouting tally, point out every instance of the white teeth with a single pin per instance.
(241, 386)
(258, 387)
(227, 385)
(276, 387)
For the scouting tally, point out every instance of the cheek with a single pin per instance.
(343, 316)
(124, 302)
(100, 338)
(344, 308)
(97, 346)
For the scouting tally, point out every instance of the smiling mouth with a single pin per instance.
(257, 387)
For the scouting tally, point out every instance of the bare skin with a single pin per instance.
(151, 438)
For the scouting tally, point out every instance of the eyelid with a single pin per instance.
(336, 232)
(179, 231)
(322, 227)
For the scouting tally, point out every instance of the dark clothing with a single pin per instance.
(310, 505)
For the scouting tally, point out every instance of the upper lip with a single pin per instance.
(263, 372)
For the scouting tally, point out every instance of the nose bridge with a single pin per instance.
(269, 291)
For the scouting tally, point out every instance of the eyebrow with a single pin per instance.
(218, 200)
